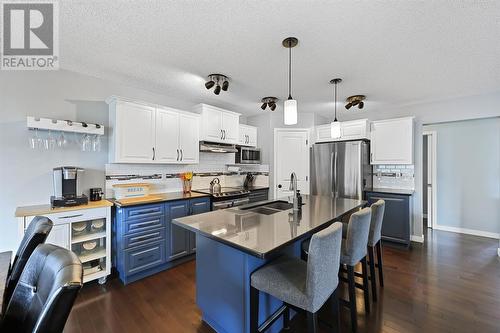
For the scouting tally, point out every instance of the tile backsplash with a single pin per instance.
(165, 178)
(394, 176)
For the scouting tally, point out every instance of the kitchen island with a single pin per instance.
(233, 243)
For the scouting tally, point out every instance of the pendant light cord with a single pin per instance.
(335, 100)
(289, 69)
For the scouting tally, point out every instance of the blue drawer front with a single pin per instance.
(140, 212)
(143, 238)
(141, 225)
(144, 257)
(199, 206)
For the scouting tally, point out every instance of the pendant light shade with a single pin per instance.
(290, 112)
(335, 124)
(290, 106)
(335, 129)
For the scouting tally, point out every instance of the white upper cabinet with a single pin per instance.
(218, 125)
(189, 138)
(392, 141)
(248, 136)
(143, 133)
(349, 130)
(133, 132)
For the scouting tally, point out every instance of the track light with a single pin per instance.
(209, 84)
(355, 100)
(220, 81)
(269, 101)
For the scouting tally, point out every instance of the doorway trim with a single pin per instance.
(275, 143)
(432, 169)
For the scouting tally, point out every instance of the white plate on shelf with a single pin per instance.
(79, 226)
(97, 224)
(90, 245)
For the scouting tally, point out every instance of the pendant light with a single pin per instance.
(290, 106)
(335, 125)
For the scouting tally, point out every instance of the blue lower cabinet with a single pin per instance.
(146, 242)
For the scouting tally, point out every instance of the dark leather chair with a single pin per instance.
(45, 293)
(35, 234)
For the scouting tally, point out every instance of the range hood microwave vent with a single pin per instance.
(210, 147)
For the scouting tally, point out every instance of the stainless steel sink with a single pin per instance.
(270, 208)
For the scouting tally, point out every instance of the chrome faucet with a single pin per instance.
(293, 187)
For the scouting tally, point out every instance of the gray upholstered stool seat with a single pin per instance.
(300, 284)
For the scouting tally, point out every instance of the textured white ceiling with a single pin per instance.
(395, 52)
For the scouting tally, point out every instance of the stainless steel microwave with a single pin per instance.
(248, 155)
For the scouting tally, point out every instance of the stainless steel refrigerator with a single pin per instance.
(341, 169)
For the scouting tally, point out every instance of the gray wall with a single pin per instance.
(25, 174)
(468, 174)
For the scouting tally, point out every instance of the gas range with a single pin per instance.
(228, 197)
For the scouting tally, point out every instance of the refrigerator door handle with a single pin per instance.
(332, 166)
(335, 174)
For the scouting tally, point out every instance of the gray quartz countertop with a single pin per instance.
(262, 235)
(391, 191)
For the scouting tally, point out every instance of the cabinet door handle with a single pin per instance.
(177, 154)
(221, 135)
(224, 132)
(182, 154)
(70, 216)
(154, 153)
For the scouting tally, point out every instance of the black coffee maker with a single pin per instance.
(67, 187)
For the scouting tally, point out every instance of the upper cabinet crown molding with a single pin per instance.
(349, 130)
(392, 141)
(149, 133)
(218, 125)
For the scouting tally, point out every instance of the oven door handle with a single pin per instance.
(239, 202)
(222, 205)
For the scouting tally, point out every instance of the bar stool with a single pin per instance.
(302, 286)
(374, 243)
(354, 250)
(35, 234)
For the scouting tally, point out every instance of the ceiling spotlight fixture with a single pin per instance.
(269, 101)
(335, 125)
(355, 100)
(290, 107)
(220, 81)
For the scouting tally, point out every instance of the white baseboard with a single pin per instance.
(468, 231)
(417, 239)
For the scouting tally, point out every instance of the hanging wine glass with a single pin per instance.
(33, 139)
(51, 141)
(86, 143)
(96, 143)
(62, 142)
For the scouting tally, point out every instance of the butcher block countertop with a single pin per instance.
(158, 197)
(47, 209)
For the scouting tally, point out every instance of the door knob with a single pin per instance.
(279, 186)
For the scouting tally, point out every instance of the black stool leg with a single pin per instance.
(335, 304)
(366, 292)
(286, 318)
(312, 322)
(352, 298)
(254, 310)
(380, 265)
(373, 279)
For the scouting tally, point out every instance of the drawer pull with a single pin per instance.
(141, 224)
(149, 211)
(70, 216)
(145, 258)
(139, 238)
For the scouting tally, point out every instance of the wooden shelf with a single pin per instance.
(64, 126)
(94, 276)
(101, 253)
(87, 237)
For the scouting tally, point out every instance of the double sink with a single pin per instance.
(269, 208)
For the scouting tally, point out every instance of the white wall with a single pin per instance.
(25, 175)
(468, 175)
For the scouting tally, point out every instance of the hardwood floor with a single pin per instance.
(451, 284)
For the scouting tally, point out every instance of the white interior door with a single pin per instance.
(167, 136)
(291, 154)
